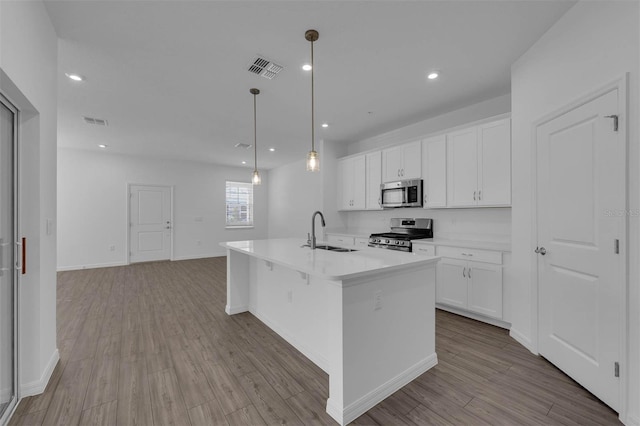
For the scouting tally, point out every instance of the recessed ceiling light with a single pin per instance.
(306, 67)
(272, 149)
(432, 75)
(103, 146)
(244, 162)
(75, 77)
(325, 125)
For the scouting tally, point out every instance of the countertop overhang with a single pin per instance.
(327, 264)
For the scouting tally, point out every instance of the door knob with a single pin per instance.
(541, 250)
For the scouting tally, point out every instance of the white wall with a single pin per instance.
(28, 76)
(593, 44)
(294, 194)
(92, 206)
(460, 117)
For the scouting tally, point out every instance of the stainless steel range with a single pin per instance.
(403, 231)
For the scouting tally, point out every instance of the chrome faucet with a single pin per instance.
(312, 238)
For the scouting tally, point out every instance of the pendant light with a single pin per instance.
(255, 176)
(313, 160)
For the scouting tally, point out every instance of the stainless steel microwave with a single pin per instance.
(403, 193)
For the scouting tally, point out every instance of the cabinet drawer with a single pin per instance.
(340, 239)
(424, 249)
(361, 241)
(487, 256)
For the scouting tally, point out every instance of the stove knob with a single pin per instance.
(386, 241)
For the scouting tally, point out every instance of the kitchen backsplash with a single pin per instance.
(485, 224)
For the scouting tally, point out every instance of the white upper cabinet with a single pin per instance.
(462, 167)
(373, 180)
(402, 162)
(352, 183)
(479, 165)
(434, 172)
(494, 181)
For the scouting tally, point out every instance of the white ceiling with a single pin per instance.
(171, 76)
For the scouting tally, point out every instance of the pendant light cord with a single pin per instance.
(255, 135)
(313, 145)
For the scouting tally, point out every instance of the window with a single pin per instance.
(239, 196)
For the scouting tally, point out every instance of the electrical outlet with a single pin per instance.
(112, 248)
(290, 296)
(377, 300)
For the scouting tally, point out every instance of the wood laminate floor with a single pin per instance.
(150, 344)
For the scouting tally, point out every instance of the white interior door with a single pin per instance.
(581, 202)
(8, 279)
(150, 223)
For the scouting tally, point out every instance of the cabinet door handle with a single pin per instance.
(474, 195)
(22, 266)
(469, 273)
(380, 201)
(403, 172)
(464, 272)
(479, 195)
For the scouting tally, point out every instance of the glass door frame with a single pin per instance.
(15, 276)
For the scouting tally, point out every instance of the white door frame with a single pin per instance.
(17, 255)
(128, 224)
(621, 84)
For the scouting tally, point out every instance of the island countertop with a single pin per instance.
(326, 264)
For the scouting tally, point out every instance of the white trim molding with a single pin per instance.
(362, 405)
(90, 266)
(38, 386)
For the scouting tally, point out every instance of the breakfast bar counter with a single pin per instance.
(366, 317)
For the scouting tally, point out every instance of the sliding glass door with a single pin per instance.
(8, 275)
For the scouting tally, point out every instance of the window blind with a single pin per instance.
(239, 201)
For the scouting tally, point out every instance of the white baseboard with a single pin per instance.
(90, 266)
(365, 403)
(474, 316)
(318, 359)
(38, 386)
(236, 309)
(522, 339)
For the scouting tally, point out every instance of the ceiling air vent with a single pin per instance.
(265, 68)
(95, 121)
(242, 145)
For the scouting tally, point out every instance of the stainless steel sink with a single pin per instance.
(334, 248)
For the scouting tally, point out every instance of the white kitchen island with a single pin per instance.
(366, 317)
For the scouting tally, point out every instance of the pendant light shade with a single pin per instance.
(313, 160)
(255, 176)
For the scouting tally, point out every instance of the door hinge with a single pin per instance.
(616, 369)
(615, 121)
(616, 246)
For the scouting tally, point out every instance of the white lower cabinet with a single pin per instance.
(361, 242)
(470, 285)
(451, 284)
